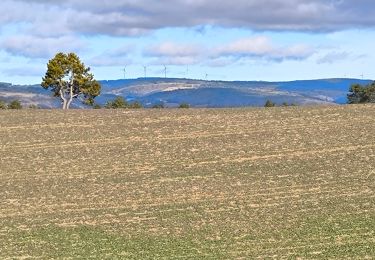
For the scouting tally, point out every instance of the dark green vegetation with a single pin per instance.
(184, 105)
(68, 78)
(15, 104)
(120, 102)
(188, 184)
(362, 94)
(3, 105)
(269, 103)
(159, 106)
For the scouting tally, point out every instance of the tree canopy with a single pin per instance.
(120, 102)
(15, 104)
(269, 103)
(68, 78)
(361, 94)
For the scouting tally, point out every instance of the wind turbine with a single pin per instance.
(145, 70)
(124, 70)
(165, 71)
(187, 71)
(206, 76)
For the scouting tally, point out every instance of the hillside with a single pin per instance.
(188, 184)
(198, 93)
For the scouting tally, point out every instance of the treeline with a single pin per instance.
(359, 94)
(269, 103)
(117, 103)
(121, 103)
(15, 104)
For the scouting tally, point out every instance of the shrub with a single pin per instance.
(286, 104)
(184, 105)
(89, 102)
(97, 106)
(161, 105)
(3, 105)
(118, 102)
(33, 107)
(15, 104)
(269, 103)
(361, 94)
(135, 105)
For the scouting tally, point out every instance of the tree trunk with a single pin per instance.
(65, 101)
(70, 99)
(70, 91)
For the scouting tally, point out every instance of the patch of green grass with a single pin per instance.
(90, 242)
(317, 237)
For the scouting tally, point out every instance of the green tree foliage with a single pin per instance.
(3, 105)
(135, 105)
(158, 106)
(69, 78)
(361, 94)
(120, 102)
(269, 103)
(184, 105)
(15, 104)
(286, 104)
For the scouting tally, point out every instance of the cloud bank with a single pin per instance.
(259, 47)
(37, 29)
(135, 17)
(35, 47)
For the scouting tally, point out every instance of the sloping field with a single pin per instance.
(188, 184)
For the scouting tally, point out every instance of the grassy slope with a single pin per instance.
(189, 184)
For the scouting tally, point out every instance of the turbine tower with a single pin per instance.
(145, 70)
(165, 71)
(124, 70)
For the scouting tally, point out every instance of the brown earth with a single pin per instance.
(190, 184)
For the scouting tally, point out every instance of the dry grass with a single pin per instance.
(188, 184)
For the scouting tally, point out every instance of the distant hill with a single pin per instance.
(198, 93)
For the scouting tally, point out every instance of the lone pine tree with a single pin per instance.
(68, 78)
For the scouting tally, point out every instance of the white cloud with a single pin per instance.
(262, 47)
(333, 57)
(337, 56)
(171, 49)
(36, 47)
(251, 46)
(175, 53)
(116, 57)
(134, 17)
(24, 71)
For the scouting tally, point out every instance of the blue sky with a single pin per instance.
(271, 40)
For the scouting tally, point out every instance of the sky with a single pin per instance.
(271, 40)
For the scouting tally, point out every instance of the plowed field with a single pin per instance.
(188, 184)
